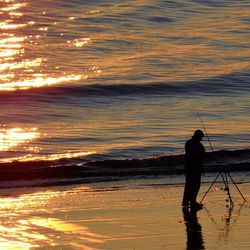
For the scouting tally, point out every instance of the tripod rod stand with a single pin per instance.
(224, 174)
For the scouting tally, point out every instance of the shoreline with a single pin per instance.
(73, 171)
(29, 176)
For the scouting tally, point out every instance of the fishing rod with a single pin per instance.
(224, 175)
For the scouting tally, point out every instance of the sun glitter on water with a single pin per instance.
(19, 70)
(37, 82)
(10, 138)
(51, 157)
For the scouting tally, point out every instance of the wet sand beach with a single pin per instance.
(132, 214)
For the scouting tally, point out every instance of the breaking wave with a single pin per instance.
(68, 171)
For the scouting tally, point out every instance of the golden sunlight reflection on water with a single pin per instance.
(8, 26)
(13, 6)
(51, 157)
(10, 138)
(37, 82)
(188, 60)
(19, 70)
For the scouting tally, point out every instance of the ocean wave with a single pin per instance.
(233, 84)
(77, 170)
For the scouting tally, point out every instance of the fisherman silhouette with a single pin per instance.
(195, 153)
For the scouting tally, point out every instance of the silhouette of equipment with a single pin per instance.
(225, 175)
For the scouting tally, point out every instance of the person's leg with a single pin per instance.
(197, 185)
(187, 191)
(195, 190)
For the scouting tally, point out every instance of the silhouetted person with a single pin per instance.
(193, 229)
(195, 153)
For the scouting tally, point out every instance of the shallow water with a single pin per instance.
(121, 79)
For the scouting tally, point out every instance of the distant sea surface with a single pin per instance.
(97, 80)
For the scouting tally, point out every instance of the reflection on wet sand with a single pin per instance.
(31, 220)
(25, 232)
(228, 220)
(193, 229)
(111, 215)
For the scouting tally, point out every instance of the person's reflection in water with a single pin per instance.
(193, 228)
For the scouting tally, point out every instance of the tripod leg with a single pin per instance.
(210, 187)
(237, 187)
(225, 180)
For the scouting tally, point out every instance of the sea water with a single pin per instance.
(122, 79)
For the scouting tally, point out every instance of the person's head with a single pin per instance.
(198, 135)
